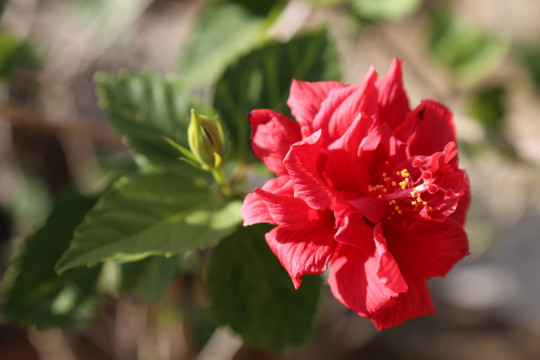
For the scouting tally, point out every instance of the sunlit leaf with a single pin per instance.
(34, 294)
(150, 214)
(252, 293)
(225, 30)
(470, 53)
(262, 78)
(145, 108)
(384, 9)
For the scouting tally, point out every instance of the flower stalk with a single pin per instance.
(221, 179)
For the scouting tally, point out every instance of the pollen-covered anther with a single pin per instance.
(404, 183)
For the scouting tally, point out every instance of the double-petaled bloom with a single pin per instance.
(366, 185)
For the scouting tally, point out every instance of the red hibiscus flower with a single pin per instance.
(367, 185)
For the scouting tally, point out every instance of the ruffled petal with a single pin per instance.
(343, 105)
(387, 268)
(281, 185)
(305, 100)
(355, 281)
(271, 137)
(303, 164)
(427, 249)
(345, 165)
(302, 251)
(370, 208)
(460, 215)
(412, 304)
(353, 229)
(428, 128)
(254, 210)
(290, 212)
(393, 101)
(451, 186)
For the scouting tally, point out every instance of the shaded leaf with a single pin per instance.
(253, 294)
(530, 57)
(15, 54)
(144, 108)
(262, 78)
(147, 280)
(487, 107)
(34, 293)
(150, 214)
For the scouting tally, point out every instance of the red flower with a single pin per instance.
(367, 185)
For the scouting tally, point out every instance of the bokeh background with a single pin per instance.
(479, 57)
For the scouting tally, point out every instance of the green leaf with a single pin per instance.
(144, 108)
(15, 54)
(470, 53)
(262, 78)
(487, 106)
(384, 9)
(225, 30)
(530, 58)
(92, 8)
(148, 279)
(34, 294)
(253, 294)
(150, 214)
(326, 3)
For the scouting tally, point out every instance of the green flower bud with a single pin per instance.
(205, 138)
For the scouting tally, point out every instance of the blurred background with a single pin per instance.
(479, 57)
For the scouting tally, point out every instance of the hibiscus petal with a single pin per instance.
(427, 249)
(272, 136)
(281, 185)
(303, 251)
(302, 165)
(353, 230)
(428, 128)
(345, 165)
(412, 304)
(343, 105)
(393, 101)
(254, 210)
(387, 267)
(305, 100)
(460, 215)
(355, 282)
(288, 211)
(453, 186)
(353, 136)
(371, 208)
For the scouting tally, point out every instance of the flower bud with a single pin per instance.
(205, 138)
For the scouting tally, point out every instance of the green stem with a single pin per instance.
(221, 179)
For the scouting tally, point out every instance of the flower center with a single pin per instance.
(402, 193)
